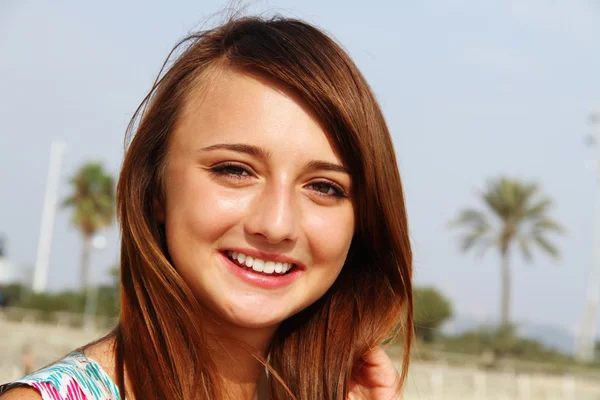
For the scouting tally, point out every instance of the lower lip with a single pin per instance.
(261, 280)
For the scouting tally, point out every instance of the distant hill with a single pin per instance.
(552, 336)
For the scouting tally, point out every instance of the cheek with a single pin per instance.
(199, 211)
(329, 234)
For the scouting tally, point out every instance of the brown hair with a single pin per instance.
(160, 341)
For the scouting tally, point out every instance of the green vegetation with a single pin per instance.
(482, 341)
(523, 220)
(51, 307)
(93, 203)
(515, 214)
(489, 347)
(432, 309)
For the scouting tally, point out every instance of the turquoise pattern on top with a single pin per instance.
(75, 377)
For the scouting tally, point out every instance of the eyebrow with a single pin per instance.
(241, 148)
(260, 152)
(326, 166)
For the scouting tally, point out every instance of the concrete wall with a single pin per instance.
(47, 342)
(426, 381)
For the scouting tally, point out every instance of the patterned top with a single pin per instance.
(75, 377)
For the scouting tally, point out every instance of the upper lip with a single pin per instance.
(267, 256)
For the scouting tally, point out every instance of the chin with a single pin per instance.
(253, 319)
(256, 323)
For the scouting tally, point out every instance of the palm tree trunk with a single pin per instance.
(85, 262)
(505, 306)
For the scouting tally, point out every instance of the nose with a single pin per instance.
(274, 215)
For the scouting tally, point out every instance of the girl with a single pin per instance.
(265, 250)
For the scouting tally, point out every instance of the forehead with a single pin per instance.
(236, 107)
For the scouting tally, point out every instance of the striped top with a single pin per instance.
(75, 377)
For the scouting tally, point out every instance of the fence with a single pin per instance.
(56, 318)
(429, 381)
(50, 337)
(46, 341)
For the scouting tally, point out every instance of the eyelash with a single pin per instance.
(225, 170)
(338, 191)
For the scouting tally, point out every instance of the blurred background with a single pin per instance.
(494, 108)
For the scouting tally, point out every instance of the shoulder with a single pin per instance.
(22, 393)
(74, 377)
(102, 352)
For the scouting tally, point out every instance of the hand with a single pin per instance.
(374, 377)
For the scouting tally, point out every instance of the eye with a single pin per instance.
(325, 188)
(232, 170)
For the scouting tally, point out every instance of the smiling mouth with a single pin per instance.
(259, 266)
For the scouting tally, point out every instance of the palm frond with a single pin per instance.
(477, 230)
(545, 224)
(68, 202)
(525, 249)
(509, 194)
(538, 209)
(546, 246)
(524, 193)
(493, 198)
(469, 217)
(523, 213)
(92, 199)
(472, 238)
(484, 244)
(502, 197)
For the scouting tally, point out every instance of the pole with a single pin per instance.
(587, 339)
(91, 293)
(40, 275)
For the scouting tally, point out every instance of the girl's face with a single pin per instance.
(257, 215)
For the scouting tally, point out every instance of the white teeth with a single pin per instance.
(258, 265)
(269, 267)
(278, 267)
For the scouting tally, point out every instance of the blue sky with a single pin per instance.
(470, 90)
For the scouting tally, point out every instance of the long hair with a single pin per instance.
(160, 343)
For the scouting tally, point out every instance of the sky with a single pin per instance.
(470, 90)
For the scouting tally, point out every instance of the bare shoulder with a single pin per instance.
(21, 393)
(100, 352)
(103, 353)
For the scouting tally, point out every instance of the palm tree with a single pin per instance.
(93, 203)
(516, 214)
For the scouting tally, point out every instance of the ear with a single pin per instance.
(159, 211)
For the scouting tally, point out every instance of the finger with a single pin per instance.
(377, 357)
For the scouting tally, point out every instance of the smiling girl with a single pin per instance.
(265, 250)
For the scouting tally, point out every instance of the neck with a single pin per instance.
(236, 353)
